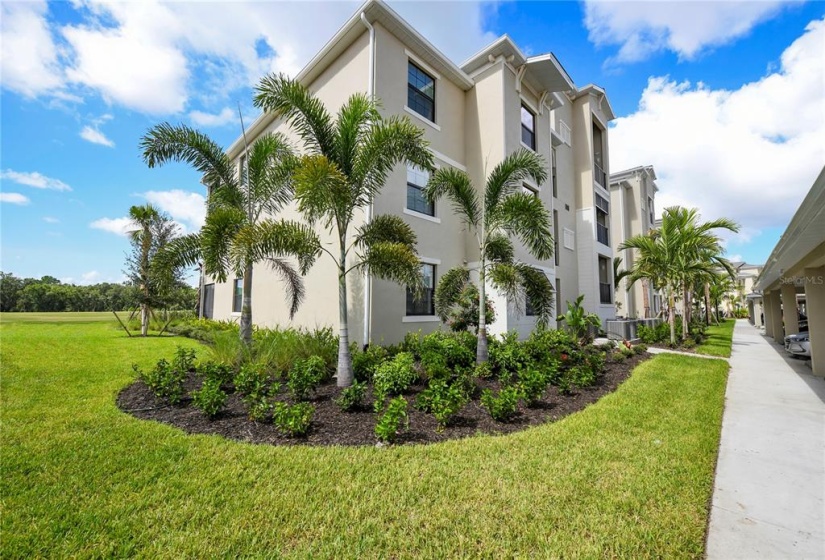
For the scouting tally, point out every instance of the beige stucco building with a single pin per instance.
(795, 272)
(473, 115)
(632, 212)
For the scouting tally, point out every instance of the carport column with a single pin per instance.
(766, 304)
(815, 302)
(789, 311)
(775, 306)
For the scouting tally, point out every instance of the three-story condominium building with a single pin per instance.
(497, 102)
(632, 212)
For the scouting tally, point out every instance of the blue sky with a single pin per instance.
(725, 99)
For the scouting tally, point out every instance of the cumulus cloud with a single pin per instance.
(684, 27)
(118, 226)
(749, 154)
(34, 179)
(91, 277)
(201, 118)
(14, 198)
(187, 208)
(50, 220)
(93, 135)
(159, 58)
(30, 64)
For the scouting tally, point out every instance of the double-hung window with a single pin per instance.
(528, 128)
(416, 201)
(602, 212)
(425, 305)
(237, 295)
(420, 92)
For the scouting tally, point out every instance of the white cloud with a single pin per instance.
(14, 198)
(188, 208)
(29, 56)
(34, 179)
(226, 116)
(91, 277)
(93, 135)
(684, 27)
(118, 226)
(161, 58)
(50, 220)
(750, 154)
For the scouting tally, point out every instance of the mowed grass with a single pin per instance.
(630, 476)
(61, 317)
(719, 341)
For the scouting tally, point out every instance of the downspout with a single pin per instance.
(368, 277)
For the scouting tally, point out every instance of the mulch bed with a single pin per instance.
(331, 426)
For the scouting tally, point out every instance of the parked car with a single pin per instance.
(798, 345)
(803, 322)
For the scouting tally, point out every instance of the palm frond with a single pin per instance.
(508, 176)
(524, 216)
(182, 251)
(499, 248)
(458, 188)
(164, 143)
(352, 125)
(385, 228)
(539, 291)
(269, 239)
(395, 262)
(271, 164)
(449, 289)
(290, 100)
(217, 234)
(292, 282)
(321, 190)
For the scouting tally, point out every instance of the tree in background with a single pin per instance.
(502, 211)
(238, 231)
(153, 230)
(346, 165)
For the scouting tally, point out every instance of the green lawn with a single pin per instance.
(630, 476)
(720, 338)
(61, 317)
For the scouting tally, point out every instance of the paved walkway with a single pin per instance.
(769, 493)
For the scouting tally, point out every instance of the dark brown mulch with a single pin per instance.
(331, 426)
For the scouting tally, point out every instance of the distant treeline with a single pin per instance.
(50, 294)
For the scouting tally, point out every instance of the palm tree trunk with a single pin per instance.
(144, 319)
(685, 310)
(646, 297)
(246, 307)
(344, 359)
(482, 349)
(707, 303)
(671, 312)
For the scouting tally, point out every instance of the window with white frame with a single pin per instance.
(528, 128)
(420, 91)
(424, 305)
(416, 201)
(237, 295)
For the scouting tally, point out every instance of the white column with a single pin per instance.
(815, 302)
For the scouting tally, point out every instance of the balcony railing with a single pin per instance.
(600, 176)
(605, 293)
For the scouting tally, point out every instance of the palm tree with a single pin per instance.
(677, 253)
(501, 212)
(238, 232)
(154, 230)
(347, 162)
(619, 274)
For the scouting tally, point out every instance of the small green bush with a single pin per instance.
(509, 356)
(352, 397)
(617, 357)
(184, 359)
(457, 348)
(279, 349)
(164, 380)
(393, 420)
(627, 352)
(305, 376)
(214, 371)
(295, 420)
(412, 343)
(483, 370)
(503, 406)
(365, 363)
(393, 377)
(532, 384)
(443, 400)
(257, 387)
(640, 349)
(688, 343)
(210, 399)
(434, 364)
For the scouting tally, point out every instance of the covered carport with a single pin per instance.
(797, 266)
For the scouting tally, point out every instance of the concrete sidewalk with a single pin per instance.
(769, 493)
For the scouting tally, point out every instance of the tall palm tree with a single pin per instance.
(238, 231)
(347, 161)
(153, 231)
(501, 211)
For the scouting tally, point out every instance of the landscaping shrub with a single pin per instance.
(393, 377)
(483, 370)
(203, 329)
(279, 349)
(502, 406)
(412, 344)
(214, 371)
(458, 348)
(443, 400)
(640, 349)
(688, 343)
(352, 397)
(617, 357)
(184, 359)
(627, 352)
(508, 356)
(545, 345)
(365, 363)
(294, 420)
(434, 365)
(393, 420)
(305, 376)
(532, 384)
(210, 398)
(257, 387)
(227, 349)
(164, 380)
